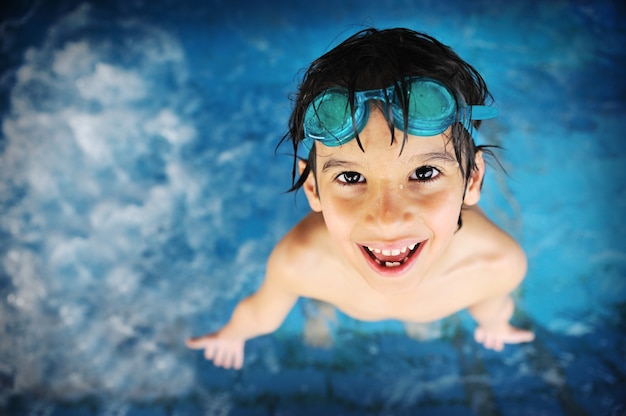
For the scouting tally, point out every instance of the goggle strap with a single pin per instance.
(481, 112)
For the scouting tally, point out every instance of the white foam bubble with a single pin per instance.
(110, 85)
(99, 178)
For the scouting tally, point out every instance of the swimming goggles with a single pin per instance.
(432, 109)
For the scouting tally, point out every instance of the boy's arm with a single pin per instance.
(494, 330)
(261, 313)
(493, 313)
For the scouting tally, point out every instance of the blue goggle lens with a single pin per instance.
(432, 109)
(329, 117)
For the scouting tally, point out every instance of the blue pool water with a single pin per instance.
(140, 196)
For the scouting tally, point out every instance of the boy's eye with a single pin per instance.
(425, 173)
(350, 177)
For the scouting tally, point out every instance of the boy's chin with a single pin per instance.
(395, 286)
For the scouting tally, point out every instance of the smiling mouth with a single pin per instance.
(392, 258)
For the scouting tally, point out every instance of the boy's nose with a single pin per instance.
(389, 208)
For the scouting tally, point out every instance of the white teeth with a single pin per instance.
(393, 252)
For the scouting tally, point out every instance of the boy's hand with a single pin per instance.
(495, 338)
(224, 353)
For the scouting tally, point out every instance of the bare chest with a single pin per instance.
(426, 304)
(418, 309)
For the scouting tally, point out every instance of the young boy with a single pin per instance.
(392, 178)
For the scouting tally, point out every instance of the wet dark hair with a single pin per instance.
(375, 59)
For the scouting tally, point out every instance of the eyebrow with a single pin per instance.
(332, 163)
(433, 156)
(336, 163)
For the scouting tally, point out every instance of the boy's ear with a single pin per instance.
(310, 188)
(475, 181)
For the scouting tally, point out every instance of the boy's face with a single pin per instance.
(392, 214)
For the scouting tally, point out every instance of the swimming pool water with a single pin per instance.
(140, 195)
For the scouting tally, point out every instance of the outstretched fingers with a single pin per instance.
(489, 340)
(198, 343)
(496, 339)
(518, 336)
(228, 357)
(222, 352)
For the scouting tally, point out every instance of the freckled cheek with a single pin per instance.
(440, 210)
(339, 215)
(344, 208)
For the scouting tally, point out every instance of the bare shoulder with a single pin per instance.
(299, 253)
(492, 250)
